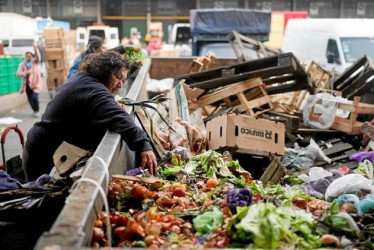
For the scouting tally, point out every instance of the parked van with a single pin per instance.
(17, 33)
(18, 46)
(332, 43)
(108, 34)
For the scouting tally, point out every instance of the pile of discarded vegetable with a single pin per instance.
(211, 201)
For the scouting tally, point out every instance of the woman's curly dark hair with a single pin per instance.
(103, 65)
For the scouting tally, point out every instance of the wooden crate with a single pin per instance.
(53, 33)
(274, 172)
(321, 79)
(55, 78)
(55, 54)
(250, 94)
(55, 64)
(350, 125)
(54, 43)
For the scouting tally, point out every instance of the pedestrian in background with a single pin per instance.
(32, 80)
(95, 45)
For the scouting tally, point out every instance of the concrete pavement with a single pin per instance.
(24, 113)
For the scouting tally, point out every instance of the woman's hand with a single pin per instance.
(149, 161)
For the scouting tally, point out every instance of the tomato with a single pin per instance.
(179, 192)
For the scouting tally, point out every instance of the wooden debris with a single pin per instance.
(240, 90)
(336, 150)
(148, 180)
(281, 73)
(201, 63)
(357, 79)
(321, 79)
(274, 172)
(350, 125)
(241, 44)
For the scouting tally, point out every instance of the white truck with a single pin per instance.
(332, 43)
(17, 33)
(109, 35)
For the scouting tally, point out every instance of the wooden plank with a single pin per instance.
(254, 103)
(229, 91)
(337, 148)
(364, 108)
(292, 122)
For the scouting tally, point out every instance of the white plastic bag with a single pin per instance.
(350, 183)
(315, 173)
(327, 111)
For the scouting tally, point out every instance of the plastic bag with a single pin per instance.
(315, 173)
(159, 86)
(350, 183)
(208, 221)
(366, 204)
(327, 111)
(300, 158)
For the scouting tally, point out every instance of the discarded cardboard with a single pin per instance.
(246, 134)
(67, 156)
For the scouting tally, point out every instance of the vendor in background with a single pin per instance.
(32, 80)
(95, 45)
(83, 120)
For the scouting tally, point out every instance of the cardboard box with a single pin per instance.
(246, 134)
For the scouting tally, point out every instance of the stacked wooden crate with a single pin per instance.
(56, 59)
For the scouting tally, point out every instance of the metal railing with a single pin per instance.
(73, 227)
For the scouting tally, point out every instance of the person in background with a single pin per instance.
(83, 120)
(95, 45)
(32, 80)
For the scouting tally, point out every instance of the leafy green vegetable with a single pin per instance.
(147, 204)
(208, 164)
(241, 182)
(208, 221)
(292, 180)
(361, 169)
(268, 227)
(134, 55)
(123, 198)
(165, 171)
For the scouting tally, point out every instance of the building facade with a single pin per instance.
(126, 14)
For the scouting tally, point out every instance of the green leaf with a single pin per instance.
(334, 208)
(208, 221)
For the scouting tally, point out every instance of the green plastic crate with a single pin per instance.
(14, 87)
(4, 89)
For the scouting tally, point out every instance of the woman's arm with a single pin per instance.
(104, 109)
(37, 54)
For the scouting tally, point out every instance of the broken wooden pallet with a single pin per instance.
(241, 44)
(349, 125)
(245, 104)
(201, 63)
(336, 150)
(357, 79)
(281, 73)
(321, 79)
